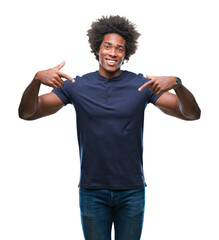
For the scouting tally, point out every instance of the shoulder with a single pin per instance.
(129, 74)
(86, 78)
(134, 75)
(87, 75)
(138, 77)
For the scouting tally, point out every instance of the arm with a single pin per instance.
(33, 106)
(182, 105)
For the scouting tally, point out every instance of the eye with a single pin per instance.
(120, 49)
(107, 47)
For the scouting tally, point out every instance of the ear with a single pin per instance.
(97, 52)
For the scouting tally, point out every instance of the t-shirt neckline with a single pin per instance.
(110, 79)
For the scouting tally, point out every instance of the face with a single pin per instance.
(111, 55)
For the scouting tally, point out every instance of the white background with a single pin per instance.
(39, 168)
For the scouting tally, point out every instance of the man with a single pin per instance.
(109, 106)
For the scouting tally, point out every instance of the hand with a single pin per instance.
(159, 84)
(53, 77)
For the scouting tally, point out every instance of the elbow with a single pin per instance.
(195, 116)
(23, 116)
(198, 114)
(26, 118)
(20, 114)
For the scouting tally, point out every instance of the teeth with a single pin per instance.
(111, 61)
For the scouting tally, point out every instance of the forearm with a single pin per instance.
(29, 102)
(187, 104)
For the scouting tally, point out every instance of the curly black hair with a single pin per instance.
(113, 24)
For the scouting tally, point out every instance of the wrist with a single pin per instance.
(178, 83)
(37, 79)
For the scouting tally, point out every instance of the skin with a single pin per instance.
(33, 106)
(181, 105)
(111, 56)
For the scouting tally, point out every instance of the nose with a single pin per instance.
(112, 52)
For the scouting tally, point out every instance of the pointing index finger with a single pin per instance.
(150, 82)
(61, 74)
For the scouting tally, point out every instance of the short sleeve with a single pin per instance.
(152, 97)
(62, 93)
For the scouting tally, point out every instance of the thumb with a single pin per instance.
(58, 67)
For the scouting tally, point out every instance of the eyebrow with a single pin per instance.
(117, 44)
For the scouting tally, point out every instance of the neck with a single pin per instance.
(107, 74)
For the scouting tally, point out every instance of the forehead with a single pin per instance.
(114, 38)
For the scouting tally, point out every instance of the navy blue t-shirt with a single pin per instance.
(110, 118)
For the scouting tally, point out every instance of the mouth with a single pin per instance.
(111, 62)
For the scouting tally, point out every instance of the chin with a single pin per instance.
(110, 69)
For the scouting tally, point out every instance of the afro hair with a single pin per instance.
(113, 24)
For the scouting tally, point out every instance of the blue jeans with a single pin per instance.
(101, 208)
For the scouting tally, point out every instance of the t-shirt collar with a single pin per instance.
(110, 79)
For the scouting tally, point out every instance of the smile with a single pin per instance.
(111, 62)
